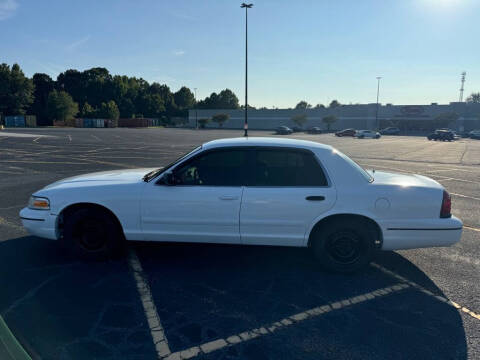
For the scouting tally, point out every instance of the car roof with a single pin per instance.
(265, 141)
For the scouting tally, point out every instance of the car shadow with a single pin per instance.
(209, 292)
(61, 308)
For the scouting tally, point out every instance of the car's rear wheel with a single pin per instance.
(92, 234)
(343, 246)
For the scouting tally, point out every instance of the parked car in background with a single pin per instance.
(390, 131)
(297, 129)
(283, 130)
(362, 134)
(474, 134)
(442, 135)
(346, 132)
(314, 130)
(262, 191)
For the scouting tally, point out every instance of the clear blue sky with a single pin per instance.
(315, 50)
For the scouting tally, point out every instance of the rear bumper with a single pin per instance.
(40, 223)
(421, 234)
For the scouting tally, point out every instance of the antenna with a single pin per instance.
(462, 88)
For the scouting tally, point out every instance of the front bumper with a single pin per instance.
(40, 223)
(422, 234)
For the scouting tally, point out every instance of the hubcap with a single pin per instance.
(344, 247)
(91, 235)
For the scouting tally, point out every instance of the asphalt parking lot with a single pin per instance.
(233, 302)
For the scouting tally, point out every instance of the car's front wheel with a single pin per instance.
(343, 246)
(92, 234)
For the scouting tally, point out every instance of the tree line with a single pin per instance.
(97, 93)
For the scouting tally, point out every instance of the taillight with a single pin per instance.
(445, 211)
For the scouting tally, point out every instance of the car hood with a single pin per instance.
(404, 180)
(125, 175)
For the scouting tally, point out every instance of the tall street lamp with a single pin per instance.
(196, 117)
(245, 125)
(376, 112)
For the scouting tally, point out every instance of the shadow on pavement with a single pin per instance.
(64, 309)
(207, 292)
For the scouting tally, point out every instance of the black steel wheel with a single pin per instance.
(344, 246)
(92, 234)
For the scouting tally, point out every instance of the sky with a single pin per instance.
(313, 50)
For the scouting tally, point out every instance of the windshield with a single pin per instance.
(153, 174)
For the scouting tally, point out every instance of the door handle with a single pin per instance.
(228, 197)
(315, 198)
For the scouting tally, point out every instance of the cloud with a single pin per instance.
(74, 45)
(178, 52)
(7, 8)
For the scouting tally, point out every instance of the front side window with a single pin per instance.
(214, 168)
(285, 167)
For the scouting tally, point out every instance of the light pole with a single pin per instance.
(245, 125)
(378, 93)
(196, 116)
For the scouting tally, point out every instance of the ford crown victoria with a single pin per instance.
(251, 191)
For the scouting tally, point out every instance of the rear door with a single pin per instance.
(287, 190)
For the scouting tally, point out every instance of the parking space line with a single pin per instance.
(283, 323)
(156, 329)
(465, 196)
(427, 292)
(36, 139)
(447, 178)
(471, 228)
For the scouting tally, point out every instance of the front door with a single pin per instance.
(288, 190)
(203, 204)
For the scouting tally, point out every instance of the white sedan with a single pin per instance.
(251, 191)
(362, 134)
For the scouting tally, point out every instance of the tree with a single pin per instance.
(151, 105)
(302, 105)
(319, 106)
(16, 90)
(444, 119)
(220, 119)
(88, 111)
(108, 110)
(61, 106)
(184, 98)
(329, 120)
(474, 98)
(43, 86)
(226, 99)
(203, 122)
(299, 119)
(334, 104)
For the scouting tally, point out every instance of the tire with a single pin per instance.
(343, 246)
(92, 234)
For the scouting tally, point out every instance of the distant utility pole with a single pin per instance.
(462, 88)
(376, 112)
(196, 115)
(245, 125)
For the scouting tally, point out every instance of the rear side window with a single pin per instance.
(215, 168)
(287, 168)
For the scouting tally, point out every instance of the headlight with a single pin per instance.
(39, 203)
